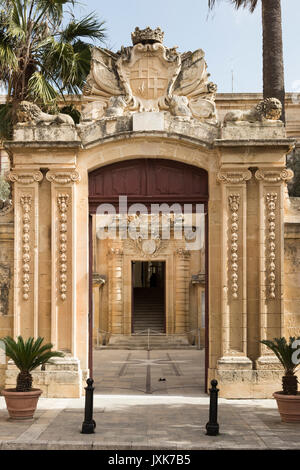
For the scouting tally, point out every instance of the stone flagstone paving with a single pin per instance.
(134, 410)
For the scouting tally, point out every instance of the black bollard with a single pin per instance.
(212, 427)
(88, 425)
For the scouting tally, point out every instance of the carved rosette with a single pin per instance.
(26, 201)
(62, 203)
(271, 200)
(234, 203)
(115, 251)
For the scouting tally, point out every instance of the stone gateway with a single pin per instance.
(152, 214)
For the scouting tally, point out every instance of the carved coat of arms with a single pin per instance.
(149, 77)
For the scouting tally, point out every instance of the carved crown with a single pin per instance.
(147, 35)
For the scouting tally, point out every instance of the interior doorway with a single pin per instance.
(148, 297)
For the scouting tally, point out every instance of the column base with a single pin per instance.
(63, 378)
(270, 362)
(234, 363)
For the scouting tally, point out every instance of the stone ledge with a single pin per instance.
(234, 362)
(60, 379)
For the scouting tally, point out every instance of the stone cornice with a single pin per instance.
(279, 143)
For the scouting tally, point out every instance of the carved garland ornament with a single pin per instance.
(62, 203)
(271, 199)
(234, 203)
(26, 201)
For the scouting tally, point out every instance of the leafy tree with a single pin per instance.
(43, 56)
(273, 70)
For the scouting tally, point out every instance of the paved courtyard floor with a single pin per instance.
(149, 400)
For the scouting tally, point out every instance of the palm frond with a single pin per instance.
(28, 355)
(251, 4)
(89, 26)
(39, 89)
(284, 351)
(16, 24)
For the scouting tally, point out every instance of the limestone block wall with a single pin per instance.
(292, 269)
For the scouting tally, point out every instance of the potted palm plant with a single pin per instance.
(288, 399)
(27, 355)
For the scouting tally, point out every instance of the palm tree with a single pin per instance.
(285, 352)
(42, 57)
(273, 70)
(27, 356)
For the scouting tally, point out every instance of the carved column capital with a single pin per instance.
(115, 251)
(274, 176)
(63, 176)
(183, 253)
(25, 176)
(234, 176)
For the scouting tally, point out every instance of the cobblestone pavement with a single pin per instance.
(133, 409)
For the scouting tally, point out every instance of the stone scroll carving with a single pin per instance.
(26, 202)
(63, 177)
(149, 77)
(25, 177)
(234, 203)
(271, 200)
(62, 203)
(234, 177)
(151, 247)
(274, 176)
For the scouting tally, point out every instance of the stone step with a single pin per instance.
(141, 342)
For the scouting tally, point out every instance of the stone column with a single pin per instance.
(26, 288)
(182, 281)
(115, 283)
(271, 252)
(233, 266)
(63, 243)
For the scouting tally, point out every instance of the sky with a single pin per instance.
(232, 40)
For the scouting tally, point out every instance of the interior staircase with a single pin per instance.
(148, 325)
(148, 310)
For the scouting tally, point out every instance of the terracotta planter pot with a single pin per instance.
(288, 407)
(21, 405)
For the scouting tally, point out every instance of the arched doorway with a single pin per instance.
(181, 285)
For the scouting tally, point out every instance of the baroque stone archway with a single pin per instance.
(245, 160)
(166, 185)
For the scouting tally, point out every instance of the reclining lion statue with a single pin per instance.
(30, 113)
(269, 109)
